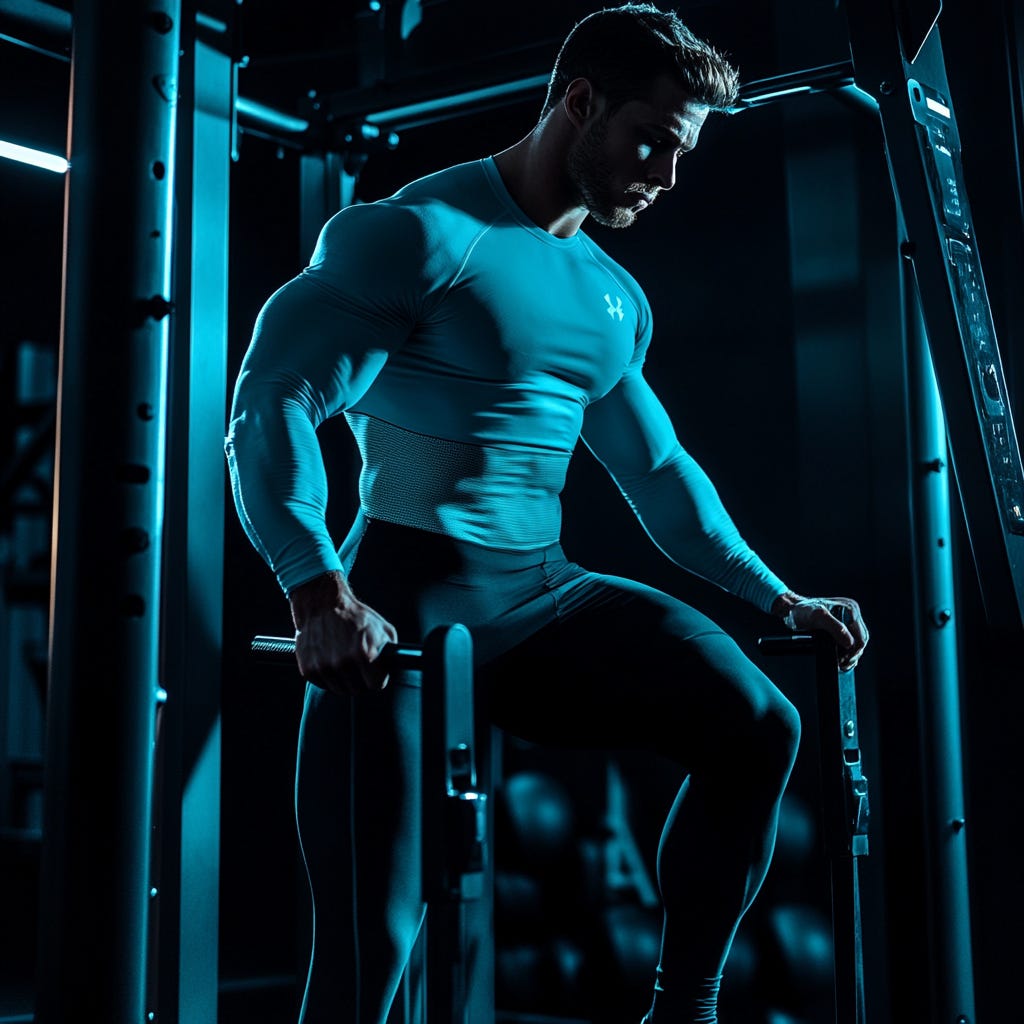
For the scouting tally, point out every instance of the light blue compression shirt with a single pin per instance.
(467, 348)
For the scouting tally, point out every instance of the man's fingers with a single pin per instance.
(854, 634)
(841, 634)
(375, 674)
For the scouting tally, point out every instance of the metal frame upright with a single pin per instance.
(109, 513)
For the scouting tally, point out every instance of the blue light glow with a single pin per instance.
(24, 155)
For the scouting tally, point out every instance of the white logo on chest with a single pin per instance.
(614, 310)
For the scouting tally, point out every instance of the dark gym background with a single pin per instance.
(773, 275)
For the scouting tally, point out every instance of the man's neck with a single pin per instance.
(533, 171)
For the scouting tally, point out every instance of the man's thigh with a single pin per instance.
(624, 665)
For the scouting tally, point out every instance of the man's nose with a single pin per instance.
(662, 171)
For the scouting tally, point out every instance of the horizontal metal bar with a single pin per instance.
(836, 77)
(45, 52)
(266, 117)
(281, 650)
(42, 27)
(460, 102)
(794, 643)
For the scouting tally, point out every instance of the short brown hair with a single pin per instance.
(623, 50)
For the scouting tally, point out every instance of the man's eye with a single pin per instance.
(644, 150)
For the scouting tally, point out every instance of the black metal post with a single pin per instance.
(184, 955)
(952, 981)
(108, 513)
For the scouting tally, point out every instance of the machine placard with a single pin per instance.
(939, 144)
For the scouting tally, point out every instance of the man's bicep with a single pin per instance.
(323, 337)
(629, 430)
(315, 347)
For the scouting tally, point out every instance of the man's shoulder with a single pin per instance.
(460, 195)
(441, 210)
(422, 230)
(450, 184)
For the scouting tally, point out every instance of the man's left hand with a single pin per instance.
(840, 617)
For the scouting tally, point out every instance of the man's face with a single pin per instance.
(620, 164)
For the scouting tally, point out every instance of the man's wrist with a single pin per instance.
(328, 590)
(784, 604)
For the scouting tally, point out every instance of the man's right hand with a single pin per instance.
(337, 638)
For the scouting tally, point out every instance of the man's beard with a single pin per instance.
(591, 177)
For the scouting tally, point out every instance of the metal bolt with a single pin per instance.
(154, 892)
(849, 729)
(958, 824)
(134, 540)
(963, 1019)
(158, 307)
(941, 616)
(133, 606)
(132, 473)
(886, 88)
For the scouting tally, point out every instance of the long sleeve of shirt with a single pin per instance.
(318, 344)
(632, 436)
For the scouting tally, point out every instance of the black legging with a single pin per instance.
(563, 656)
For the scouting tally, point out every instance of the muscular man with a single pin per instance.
(471, 334)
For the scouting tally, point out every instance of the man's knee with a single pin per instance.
(764, 743)
(781, 731)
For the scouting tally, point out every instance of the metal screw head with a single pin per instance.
(134, 540)
(886, 88)
(158, 307)
(941, 616)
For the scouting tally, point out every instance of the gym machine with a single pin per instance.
(897, 68)
(456, 863)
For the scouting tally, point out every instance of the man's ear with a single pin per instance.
(582, 102)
